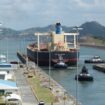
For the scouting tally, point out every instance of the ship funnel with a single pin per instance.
(58, 28)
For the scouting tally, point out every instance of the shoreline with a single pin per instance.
(93, 45)
(56, 89)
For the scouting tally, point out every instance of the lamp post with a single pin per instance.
(0, 33)
(36, 54)
(49, 68)
(37, 49)
(0, 27)
(27, 61)
(77, 47)
(36, 61)
(65, 97)
(37, 58)
(7, 48)
(50, 64)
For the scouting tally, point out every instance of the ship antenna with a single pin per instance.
(77, 31)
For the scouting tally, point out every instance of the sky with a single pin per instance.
(23, 14)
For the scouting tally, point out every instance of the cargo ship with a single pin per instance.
(57, 46)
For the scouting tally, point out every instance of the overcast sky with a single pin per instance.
(22, 14)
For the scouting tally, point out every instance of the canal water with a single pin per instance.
(89, 93)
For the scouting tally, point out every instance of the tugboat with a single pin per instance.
(95, 59)
(60, 64)
(84, 75)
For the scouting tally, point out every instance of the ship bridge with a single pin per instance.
(59, 39)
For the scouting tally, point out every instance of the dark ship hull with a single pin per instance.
(90, 61)
(83, 78)
(84, 75)
(42, 57)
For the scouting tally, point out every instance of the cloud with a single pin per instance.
(28, 13)
(90, 3)
(83, 4)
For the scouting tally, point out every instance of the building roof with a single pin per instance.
(7, 85)
(3, 72)
(6, 66)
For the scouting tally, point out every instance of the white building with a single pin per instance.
(5, 75)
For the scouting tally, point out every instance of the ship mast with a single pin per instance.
(65, 40)
(72, 34)
(38, 38)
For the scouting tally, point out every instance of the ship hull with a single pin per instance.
(42, 57)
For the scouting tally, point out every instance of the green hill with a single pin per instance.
(93, 29)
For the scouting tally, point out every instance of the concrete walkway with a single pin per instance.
(27, 95)
(28, 98)
(57, 90)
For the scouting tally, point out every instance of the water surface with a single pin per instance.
(89, 93)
